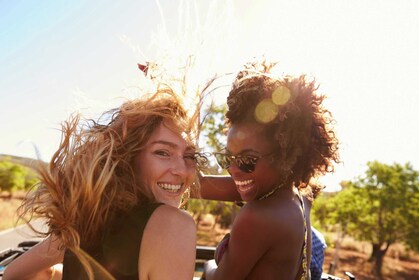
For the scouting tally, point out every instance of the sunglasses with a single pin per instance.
(245, 163)
(201, 160)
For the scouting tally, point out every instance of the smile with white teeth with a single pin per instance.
(244, 186)
(170, 187)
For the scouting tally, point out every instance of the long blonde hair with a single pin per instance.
(90, 177)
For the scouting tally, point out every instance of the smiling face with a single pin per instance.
(249, 139)
(166, 166)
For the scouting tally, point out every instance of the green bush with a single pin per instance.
(15, 177)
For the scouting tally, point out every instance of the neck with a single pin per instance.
(270, 193)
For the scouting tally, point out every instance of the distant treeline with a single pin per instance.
(17, 173)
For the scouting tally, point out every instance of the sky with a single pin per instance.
(58, 57)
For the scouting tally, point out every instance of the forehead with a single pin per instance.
(167, 133)
(247, 137)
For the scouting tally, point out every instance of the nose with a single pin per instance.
(233, 168)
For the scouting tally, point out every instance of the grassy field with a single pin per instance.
(8, 215)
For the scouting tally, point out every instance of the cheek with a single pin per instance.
(191, 175)
(150, 171)
(145, 170)
(269, 171)
(145, 163)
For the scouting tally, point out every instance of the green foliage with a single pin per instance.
(385, 205)
(214, 139)
(412, 239)
(214, 135)
(320, 214)
(214, 128)
(14, 177)
(223, 211)
(381, 207)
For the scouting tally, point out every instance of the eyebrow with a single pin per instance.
(171, 144)
(167, 143)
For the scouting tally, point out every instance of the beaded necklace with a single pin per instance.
(266, 195)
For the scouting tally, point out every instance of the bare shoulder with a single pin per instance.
(253, 217)
(283, 218)
(168, 245)
(275, 211)
(169, 216)
(170, 224)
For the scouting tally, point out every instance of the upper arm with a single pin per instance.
(254, 236)
(40, 257)
(168, 247)
(218, 188)
(247, 245)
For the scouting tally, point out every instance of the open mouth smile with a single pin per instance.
(173, 188)
(245, 185)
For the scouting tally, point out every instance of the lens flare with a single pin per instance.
(266, 111)
(281, 95)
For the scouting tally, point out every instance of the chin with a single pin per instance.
(171, 202)
(174, 204)
(248, 197)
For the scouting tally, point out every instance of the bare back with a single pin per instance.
(267, 240)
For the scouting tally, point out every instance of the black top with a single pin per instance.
(119, 250)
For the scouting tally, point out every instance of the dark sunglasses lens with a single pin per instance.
(223, 160)
(247, 164)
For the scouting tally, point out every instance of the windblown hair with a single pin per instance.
(90, 178)
(292, 113)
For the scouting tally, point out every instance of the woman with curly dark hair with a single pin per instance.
(280, 139)
(111, 196)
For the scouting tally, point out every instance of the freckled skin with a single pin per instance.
(165, 160)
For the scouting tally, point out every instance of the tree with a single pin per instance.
(214, 138)
(214, 128)
(381, 207)
(14, 176)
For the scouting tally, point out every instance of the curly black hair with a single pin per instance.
(292, 113)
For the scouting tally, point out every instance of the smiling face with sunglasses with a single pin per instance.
(279, 139)
(250, 160)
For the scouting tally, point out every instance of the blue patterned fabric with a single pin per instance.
(318, 245)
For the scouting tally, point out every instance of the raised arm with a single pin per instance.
(37, 262)
(218, 187)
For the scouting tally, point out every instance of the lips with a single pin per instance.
(244, 186)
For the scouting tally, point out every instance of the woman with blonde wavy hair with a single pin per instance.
(111, 197)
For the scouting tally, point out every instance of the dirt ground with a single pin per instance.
(356, 263)
(352, 257)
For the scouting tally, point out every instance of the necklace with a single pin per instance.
(266, 195)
